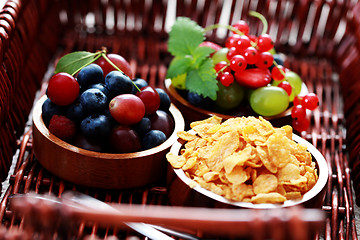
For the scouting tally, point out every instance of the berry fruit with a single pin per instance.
(62, 127)
(63, 89)
(127, 109)
(119, 61)
(90, 75)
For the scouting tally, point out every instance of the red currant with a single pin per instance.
(286, 86)
(222, 66)
(266, 60)
(265, 43)
(297, 100)
(226, 78)
(278, 73)
(301, 125)
(231, 53)
(251, 55)
(242, 26)
(310, 101)
(242, 43)
(298, 112)
(231, 41)
(63, 89)
(238, 63)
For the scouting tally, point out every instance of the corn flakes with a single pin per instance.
(245, 159)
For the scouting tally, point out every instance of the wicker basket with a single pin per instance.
(321, 39)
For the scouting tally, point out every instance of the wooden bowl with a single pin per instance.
(193, 113)
(181, 194)
(101, 170)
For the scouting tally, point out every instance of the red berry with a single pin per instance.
(297, 100)
(226, 78)
(238, 63)
(242, 26)
(150, 98)
(301, 125)
(265, 43)
(231, 41)
(278, 73)
(63, 89)
(310, 101)
(298, 112)
(251, 55)
(62, 127)
(127, 109)
(119, 61)
(286, 86)
(231, 53)
(266, 60)
(222, 66)
(242, 43)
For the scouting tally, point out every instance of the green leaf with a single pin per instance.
(203, 80)
(73, 62)
(178, 66)
(201, 53)
(184, 37)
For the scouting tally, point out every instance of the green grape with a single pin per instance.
(295, 81)
(220, 55)
(231, 96)
(269, 101)
(179, 81)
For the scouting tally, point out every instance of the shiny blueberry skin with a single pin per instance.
(94, 101)
(96, 126)
(118, 83)
(142, 127)
(75, 112)
(152, 139)
(90, 75)
(102, 87)
(165, 101)
(50, 109)
(198, 100)
(140, 83)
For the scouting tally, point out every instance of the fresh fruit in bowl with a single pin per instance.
(105, 132)
(245, 76)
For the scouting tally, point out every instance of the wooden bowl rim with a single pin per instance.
(172, 90)
(323, 173)
(179, 125)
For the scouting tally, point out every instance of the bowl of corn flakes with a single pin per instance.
(245, 162)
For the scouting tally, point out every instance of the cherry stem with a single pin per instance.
(103, 54)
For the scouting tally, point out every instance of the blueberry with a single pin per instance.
(165, 101)
(90, 75)
(118, 83)
(49, 109)
(278, 59)
(102, 87)
(198, 100)
(95, 126)
(94, 101)
(142, 127)
(140, 83)
(75, 112)
(152, 139)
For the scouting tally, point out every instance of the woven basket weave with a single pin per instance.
(320, 38)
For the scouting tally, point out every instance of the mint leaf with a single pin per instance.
(178, 66)
(200, 53)
(184, 37)
(203, 80)
(73, 62)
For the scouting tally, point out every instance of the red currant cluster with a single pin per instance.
(244, 50)
(298, 113)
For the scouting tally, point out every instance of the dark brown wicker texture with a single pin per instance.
(321, 39)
